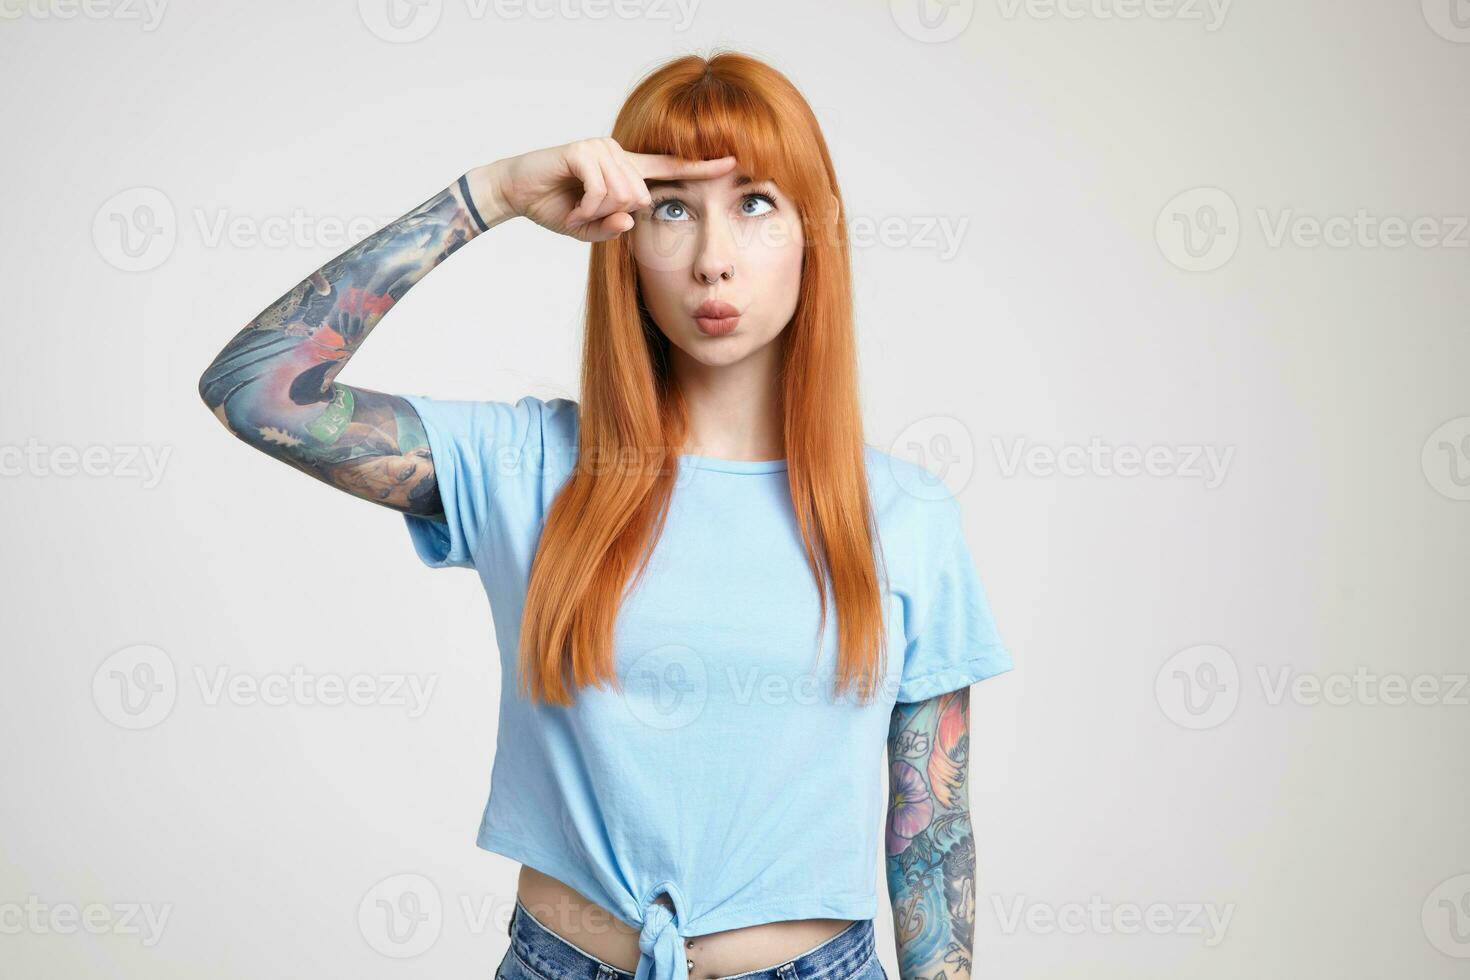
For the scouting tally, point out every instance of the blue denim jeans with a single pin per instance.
(537, 953)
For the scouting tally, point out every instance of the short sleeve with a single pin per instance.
(482, 450)
(950, 633)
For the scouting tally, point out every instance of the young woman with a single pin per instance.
(696, 572)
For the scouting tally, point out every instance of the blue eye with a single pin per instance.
(762, 197)
(668, 200)
(679, 212)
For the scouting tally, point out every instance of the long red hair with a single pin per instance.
(607, 517)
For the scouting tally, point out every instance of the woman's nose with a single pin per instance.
(715, 257)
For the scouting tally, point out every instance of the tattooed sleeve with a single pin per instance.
(930, 842)
(274, 385)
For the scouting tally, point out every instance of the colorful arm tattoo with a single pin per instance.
(274, 385)
(930, 841)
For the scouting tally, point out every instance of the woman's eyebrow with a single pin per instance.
(740, 181)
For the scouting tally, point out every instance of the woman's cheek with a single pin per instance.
(662, 249)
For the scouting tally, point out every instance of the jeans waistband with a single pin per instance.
(555, 958)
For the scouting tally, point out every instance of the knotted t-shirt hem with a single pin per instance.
(719, 920)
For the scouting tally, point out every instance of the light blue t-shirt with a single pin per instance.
(725, 773)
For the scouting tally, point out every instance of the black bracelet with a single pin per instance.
(469, 202)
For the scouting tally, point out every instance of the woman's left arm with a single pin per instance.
(930, 842)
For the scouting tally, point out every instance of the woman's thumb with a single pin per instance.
(613, 225)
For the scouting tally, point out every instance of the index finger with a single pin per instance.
(663, 166)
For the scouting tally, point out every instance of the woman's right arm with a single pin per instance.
(274, 384)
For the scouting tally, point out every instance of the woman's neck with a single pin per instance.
(734, 410)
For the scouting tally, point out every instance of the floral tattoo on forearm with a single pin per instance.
(274, 384)
(930, 840)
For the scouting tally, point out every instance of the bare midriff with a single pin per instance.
(597, 932)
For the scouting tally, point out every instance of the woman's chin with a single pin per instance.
(717, 352)
(712, 353)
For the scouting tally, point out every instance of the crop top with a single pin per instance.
(726, 773)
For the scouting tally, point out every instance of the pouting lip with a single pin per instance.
(716, 309)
